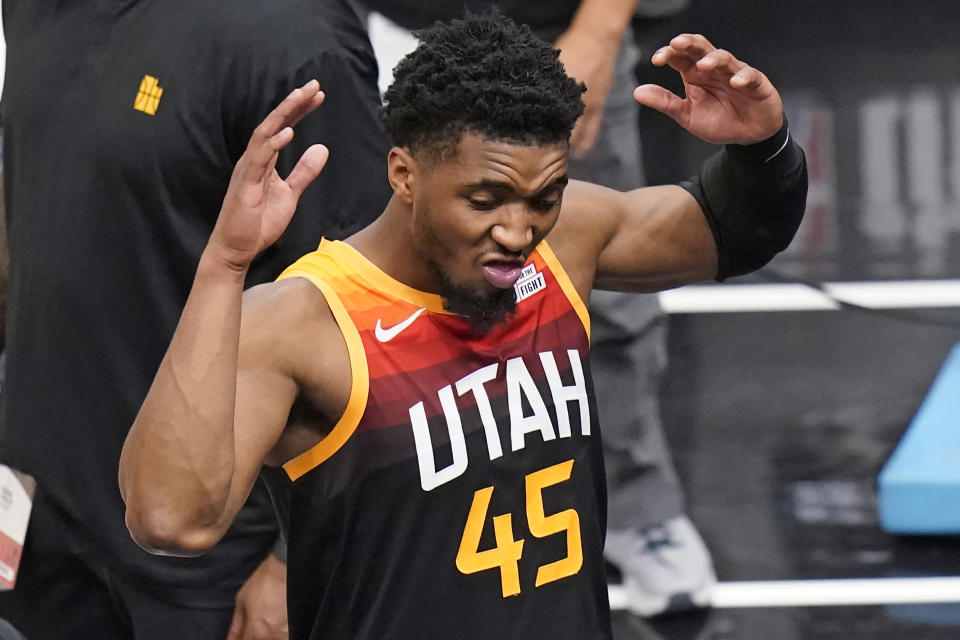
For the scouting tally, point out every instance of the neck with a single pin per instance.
(387, 242)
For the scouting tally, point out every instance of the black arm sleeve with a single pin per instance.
(753, 197)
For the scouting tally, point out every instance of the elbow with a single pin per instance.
(162, 532)
(160, 520)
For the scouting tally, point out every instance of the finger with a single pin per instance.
(308, 168)
(294, 106)
(252, 168)
(747, 78)
(720, 61)
(315, 101)
(683, 52)
(279, 141)
(285, 135)
(656, 97)
(675, 59)
(693, 45)
(290, 107)
(236, 625)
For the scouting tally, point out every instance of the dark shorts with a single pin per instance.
(64, 592)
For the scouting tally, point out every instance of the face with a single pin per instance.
(479, 214)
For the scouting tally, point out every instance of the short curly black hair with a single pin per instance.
(482, 74)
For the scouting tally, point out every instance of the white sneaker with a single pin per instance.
(665, 567)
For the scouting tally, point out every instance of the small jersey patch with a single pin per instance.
(529, 285)
(527, 272)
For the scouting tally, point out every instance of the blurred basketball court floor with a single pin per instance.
(779, 423)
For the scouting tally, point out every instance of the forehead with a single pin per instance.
(520, 165)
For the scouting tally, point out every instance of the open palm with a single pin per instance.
(259, 203)
(727, 101)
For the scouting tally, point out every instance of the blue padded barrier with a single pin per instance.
(919, 486)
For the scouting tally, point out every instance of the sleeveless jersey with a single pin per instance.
(461, 495)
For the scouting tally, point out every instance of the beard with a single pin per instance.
(483, 311)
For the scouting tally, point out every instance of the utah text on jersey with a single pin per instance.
(520, 387)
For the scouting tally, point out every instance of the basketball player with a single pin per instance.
(425, 384)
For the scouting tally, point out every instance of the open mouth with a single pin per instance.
(502, 273)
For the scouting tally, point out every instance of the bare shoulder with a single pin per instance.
(587, 219)
(277, 312)
(288, 328)
(291, 294)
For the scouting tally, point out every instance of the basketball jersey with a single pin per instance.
(461, 495)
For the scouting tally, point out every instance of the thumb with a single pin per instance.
(656, 97)
(309, 166)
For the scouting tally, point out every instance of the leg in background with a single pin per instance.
(665, 564)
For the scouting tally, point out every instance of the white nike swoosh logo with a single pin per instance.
(386, 335)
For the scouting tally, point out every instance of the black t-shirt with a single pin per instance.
(548, 19)
(123, 120)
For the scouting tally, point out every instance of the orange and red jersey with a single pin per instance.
(461, 494)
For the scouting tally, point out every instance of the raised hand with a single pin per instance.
(259, 204)
(727, 101)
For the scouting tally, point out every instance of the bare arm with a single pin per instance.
(655, 238)
(199, 440)
(588, 51)
(645, 240)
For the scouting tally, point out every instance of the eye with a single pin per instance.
(483, 204)
(545, 205)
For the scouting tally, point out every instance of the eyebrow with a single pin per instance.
(487, 183)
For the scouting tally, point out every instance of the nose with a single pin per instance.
(514, 232)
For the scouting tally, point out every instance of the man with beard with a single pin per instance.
(424, 385)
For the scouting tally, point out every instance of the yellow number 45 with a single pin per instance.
(507, 552)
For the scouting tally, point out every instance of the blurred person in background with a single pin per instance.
(123, 123)
(662, 558)
(7, 631)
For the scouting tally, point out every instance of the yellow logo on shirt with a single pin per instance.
(148, 96)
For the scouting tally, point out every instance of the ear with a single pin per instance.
(401, 170)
